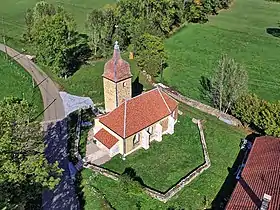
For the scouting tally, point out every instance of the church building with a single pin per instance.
(131, 123)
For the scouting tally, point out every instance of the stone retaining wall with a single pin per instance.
(200, 106)
(102, 171)
(164, 197)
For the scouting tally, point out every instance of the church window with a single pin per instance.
(135, 139)
(124, 84)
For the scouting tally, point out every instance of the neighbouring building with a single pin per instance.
(258, 187)
(131, 123)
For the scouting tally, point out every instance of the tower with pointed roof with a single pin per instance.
(116, 81)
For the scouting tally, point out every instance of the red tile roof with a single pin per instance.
(106, 138)
(117, 69)
(260, 175)
(139, 112)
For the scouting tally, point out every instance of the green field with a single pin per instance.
(14, 81)
(12, 15)
(87, 81)
(176, 155)
(239, 32)
(223, 146)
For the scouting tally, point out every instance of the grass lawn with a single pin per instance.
(13, 12)
(240, 32)
(87, 81)
(176, 155)
(15, 81)
(223, 146)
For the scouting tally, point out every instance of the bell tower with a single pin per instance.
(116, 80)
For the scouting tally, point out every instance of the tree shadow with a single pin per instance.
(273, 31)
(64, 195)
(205, 88)
(131, 173)
(224, 194)
(137, 87)
(79, 55)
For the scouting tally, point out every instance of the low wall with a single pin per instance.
(164, 197)
(200, 106)
(78, 136)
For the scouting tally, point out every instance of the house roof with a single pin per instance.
(135, 114)
(106, 138)
(117, 69)
(260, 175)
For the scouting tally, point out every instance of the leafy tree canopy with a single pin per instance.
(53, 34)
(24, 170)
(227, 85)
(151, 54)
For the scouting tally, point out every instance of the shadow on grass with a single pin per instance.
(137, 87)
(273, 31)
(205, 88)
(130, 172)
(229, 184)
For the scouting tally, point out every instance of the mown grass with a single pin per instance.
(240, 32)
(223, 147)
(88, 81)
(16, 82)
(176, 155)
(12, 14)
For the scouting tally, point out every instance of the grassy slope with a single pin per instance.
(223, 146)
(18, 83)
(12, 15)
(176, 155)
(87, 81)
(239, 32)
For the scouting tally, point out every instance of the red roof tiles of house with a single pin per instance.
(139, 112)
(117, 69)
(260, 175)
(106, 138)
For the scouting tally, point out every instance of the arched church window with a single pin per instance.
(135, 139)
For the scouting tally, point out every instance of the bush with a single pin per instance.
(259, 113)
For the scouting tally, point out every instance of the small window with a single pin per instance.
(135, 139)
(124, 84)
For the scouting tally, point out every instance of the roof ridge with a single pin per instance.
(163, 99)
(124, 121)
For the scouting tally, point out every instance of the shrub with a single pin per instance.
(259, 113)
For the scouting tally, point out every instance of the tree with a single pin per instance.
(228, 83)
(58, 45)
(101, 24)
(24, 170)
(150, 54)
(94, 24)
(52, 32)
(41, 9)
(263, 115)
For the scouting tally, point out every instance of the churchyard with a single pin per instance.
(164, 164)
(243, 32)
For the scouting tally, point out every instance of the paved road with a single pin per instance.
(64, 196)
(50, 94)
